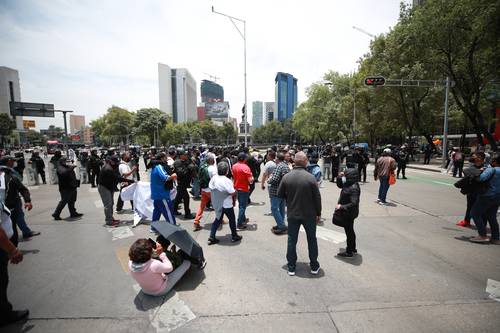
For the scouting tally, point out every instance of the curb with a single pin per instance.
(418, 167)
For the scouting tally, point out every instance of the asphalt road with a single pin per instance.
(415, 272)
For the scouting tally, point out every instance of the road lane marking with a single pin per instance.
(122, 255)
(174, 313)
(493, 288)
(442, 183)
(121, 233)
(329, 235)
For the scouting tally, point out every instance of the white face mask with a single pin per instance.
(344, 180)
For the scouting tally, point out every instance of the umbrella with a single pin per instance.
(181, 238)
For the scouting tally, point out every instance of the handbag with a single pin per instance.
(340, 217)
(392, 178)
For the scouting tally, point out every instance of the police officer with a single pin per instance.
(94, 167)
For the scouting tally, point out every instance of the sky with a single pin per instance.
(86, 55)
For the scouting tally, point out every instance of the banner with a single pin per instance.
(216, 110)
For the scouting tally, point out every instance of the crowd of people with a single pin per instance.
(220, 177)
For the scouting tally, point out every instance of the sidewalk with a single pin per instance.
(433, 166)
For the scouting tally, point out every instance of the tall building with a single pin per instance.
(257, 117)
(10, 90)
(211, 92)
(269, 115)
(177, 89)
(76, 123)
(285, 96)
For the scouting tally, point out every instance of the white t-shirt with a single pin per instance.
(212, 171)
(124, 168)
(224, 184)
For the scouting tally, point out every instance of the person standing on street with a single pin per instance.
(223, 200)
(109, 177)
(14, 188)
(128, 173)
(427, 154)
(278, 203)
(303, 199)
(67, 188)
(327, 163)
(94, 168)
(268, 172)
(207, 171)
(184, 169)
(38, 166)
(486, 205)
(161, 184)
(8, 252)
(242, 178)
(54, 161)
(348, 205)
(384, 166)
(402, 160)
(458, 162)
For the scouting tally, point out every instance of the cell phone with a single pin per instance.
(152, 242)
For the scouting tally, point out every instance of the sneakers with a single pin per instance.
(197, 227)
(236, 238)
(291, 273)
(277, 231)
(381, 203)
(464, 223)
(480, 239)
(212, 241)
(315, 271)
(345, 254)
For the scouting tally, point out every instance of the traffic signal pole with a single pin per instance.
(381, 81)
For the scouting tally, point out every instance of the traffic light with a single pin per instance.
(374, 81)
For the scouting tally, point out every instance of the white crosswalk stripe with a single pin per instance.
(329, 235)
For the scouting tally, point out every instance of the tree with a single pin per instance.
(148, 121)
(116, 126)
(35, 137)
(7, 125)
(462, 38)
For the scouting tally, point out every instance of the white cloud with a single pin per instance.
(87, 55)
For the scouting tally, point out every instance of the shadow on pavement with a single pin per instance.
(256, 203)
(226, 241)
(303, 270)
(34, 251)
(357, 260)
(145, 302)
(191, 280)
(19, 327)
(467, 239)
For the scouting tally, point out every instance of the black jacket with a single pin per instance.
(14, 187)
(66, 176)
(349, 196)
(109, 177)
(185, 171)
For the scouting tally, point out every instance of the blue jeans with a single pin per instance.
(278, 210)
(384, 188)
(312, 242)
(229, 212)
(195, 188)
(242, 203)
(484, 210)
(18, 219)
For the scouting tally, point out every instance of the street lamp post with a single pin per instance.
(244, 36)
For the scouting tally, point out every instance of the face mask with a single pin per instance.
(344, 180)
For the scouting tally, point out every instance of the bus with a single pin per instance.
(53, 145)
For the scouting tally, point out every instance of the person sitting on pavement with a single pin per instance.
(149, 273)
(14, 188)
(348, 205)
(486, 205)
(68, 185)
(223, 199)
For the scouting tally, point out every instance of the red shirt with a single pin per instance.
(241, 174)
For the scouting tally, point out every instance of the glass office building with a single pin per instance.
(285, 96)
